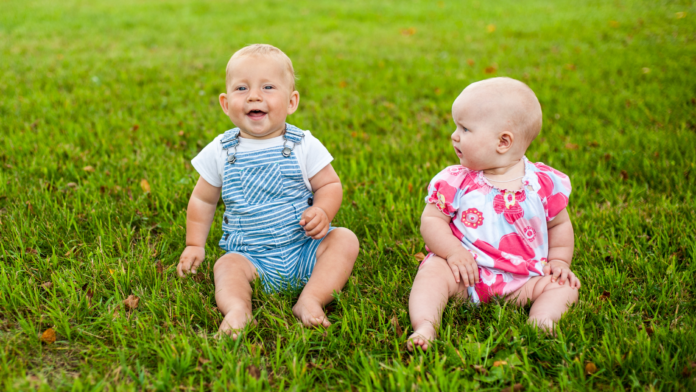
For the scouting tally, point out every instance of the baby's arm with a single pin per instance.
(199, 217)
(328, 195)
(440, 240)
(561, 244)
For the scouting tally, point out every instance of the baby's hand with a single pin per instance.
(463, 264)
(560, 271)
(315, 222)
(190, 259)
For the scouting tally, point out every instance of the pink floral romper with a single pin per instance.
(504, 230)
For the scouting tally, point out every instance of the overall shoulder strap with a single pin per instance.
(230, 139)
(293, 133)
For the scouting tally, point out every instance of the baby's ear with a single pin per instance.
(505, 141)
(224, 103)
(294, 102)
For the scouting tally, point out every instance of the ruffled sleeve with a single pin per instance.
(554, 189)
(443, 189)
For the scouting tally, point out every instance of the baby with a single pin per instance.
(280, 193)
(496, 224)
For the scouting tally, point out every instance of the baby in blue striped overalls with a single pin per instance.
(280, 193)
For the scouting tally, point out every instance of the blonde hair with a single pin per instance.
(262, 50)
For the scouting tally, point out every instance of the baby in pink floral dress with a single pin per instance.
(496, 224)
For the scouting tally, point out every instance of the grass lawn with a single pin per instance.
(101, 100)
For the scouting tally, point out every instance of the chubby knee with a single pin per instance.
(234, 262)
(564, 290)
(343, 240)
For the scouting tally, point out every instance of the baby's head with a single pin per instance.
(261, 92)
(496, 121)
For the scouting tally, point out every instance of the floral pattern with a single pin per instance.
(505, 230)
(472, 218)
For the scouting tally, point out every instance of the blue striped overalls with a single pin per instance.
(265, 196)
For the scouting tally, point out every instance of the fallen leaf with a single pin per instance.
(499, 363)
(515, 388)
(159, 267)
(342, 84)
(203, 361)
(71, 185)
(181, 132)
(49, 336)
(135, 127)
(470, 62)
(30, 207)
(254, 371)
(31, 251)
(649, 330)
(686, 372)
(145, 185)
(480, 369)
(89, 169)
(490, 28)
(131, 302)
(571, 146)
(410, 187)
(397, 328)
(408, 32)
(115, 313)
(624, 175)
(590, 368)
(490, 69)
(89, 294)
(419, 256)
(605, 295)
(46, 285)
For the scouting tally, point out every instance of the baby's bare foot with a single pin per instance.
(233, 324)
(421, 337)
(310, 313)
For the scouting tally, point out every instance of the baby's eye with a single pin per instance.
(241, 88)
(267, 87)
(465, 129)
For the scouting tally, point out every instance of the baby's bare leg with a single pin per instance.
(233, 277)
(335, 259)
(432, 288)
(550, 300)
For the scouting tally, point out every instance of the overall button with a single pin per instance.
(310, 201)
(226, 221)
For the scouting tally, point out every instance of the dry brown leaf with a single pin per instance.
(605, 295)
(203, 361)
(490, 69)
(145, 185)
(159, 267)
(30, 207)
(342, 84)
(470, 62)
(49, 336)
(408, 32)
(499, 363)
(480, 369)
(624, 175)
(89, 169)
(135, 127)
(571, 146)
(590, 368)
(181, 132)
(254, 371)
(47, 285)
(419, 256)
(31, 251)
(410, 188)
(71, 185)
(89, 294)
(131, 302)
(397, 328)
(515, 388)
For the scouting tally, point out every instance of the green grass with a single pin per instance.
(130, 89)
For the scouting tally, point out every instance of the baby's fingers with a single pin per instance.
(455, 272)
(555, 274)
(574, 281)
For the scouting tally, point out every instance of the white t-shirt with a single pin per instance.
(311, 154)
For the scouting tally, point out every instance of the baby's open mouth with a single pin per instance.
(256, 113)
(458, 151)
